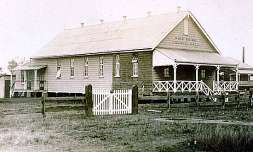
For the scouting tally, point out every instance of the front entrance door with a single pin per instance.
(30, 79)
(7, 88)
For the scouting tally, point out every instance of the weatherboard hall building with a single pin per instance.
(159, 53)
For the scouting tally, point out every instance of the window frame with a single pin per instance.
(135, 67)
(203, 73)
(117, 65)
(86, 67)
(72, 67)
(58, 68)
(101, 67)
(166, 72)
(22, 76)
(251, 78)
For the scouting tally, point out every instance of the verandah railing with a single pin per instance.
(193, 86)
(222, 86)
(29, 85)
(168, 86)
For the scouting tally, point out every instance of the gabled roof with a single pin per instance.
(127, 35)
(131, 34)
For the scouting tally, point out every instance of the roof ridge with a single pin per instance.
(128, 19)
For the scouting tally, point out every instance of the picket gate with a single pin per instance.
(106, 102)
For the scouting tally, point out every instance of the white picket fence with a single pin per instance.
(106, 102)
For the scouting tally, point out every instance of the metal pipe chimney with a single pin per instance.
(243, 54)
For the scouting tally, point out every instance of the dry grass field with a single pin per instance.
(66, 128)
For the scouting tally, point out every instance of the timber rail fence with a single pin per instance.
(99, 102)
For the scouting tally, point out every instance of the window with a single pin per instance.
(203, 73)
(22, 77)
(135, 66)
(72, 70)
(117, 66)
(166, 72)
(58, 69)
(86, 64)
(251, 78)
(186, 25)
(101, 66)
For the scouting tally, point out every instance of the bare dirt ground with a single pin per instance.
(23, 128)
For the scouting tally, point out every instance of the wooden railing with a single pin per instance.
(193, 86)
(163, 86)
(179, 86)
(225, 86)
(246, 83)
(29, 85)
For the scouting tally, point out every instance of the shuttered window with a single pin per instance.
(135, 66)
(166, 72)
(101, 66)
(58, 69)
(72, 67)
(117, 66)
(86, 66)
(203, 73)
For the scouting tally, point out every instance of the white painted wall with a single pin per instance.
(1, 87)
(77, 83)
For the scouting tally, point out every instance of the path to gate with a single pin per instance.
(106, 102)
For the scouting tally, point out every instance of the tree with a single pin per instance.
(11, 65)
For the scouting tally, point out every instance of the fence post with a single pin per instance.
(223, 98)
(110, 102)
(168, 99)
(251, 97)
(88, 99)
(135, 99)
(237, 98)
(197, 98)
(43, 101)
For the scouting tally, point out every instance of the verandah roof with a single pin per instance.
(165, 57)
(30, 67)
(245, 71)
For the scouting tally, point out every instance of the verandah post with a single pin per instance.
(218, 77)
(237, 77)
(35, 79)
(88, 100)
(197, 77)
(197, 84)
(175, 77)
(135, 99)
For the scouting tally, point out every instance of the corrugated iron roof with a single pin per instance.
(131, 34)
(196, 57)
(30, 66)
(245, 71)
(245, 66)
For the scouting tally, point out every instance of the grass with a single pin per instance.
(24, 129)
(225, 138)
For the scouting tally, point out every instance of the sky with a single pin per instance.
(28, 25)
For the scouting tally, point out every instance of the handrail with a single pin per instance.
(29, 85)
(223, 86)
(182, 86)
